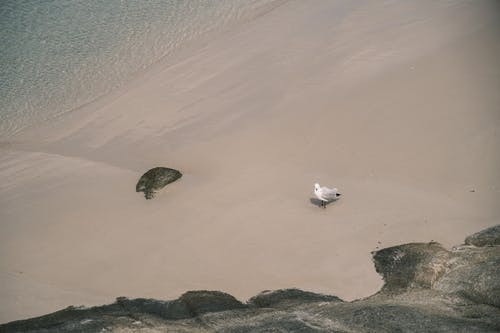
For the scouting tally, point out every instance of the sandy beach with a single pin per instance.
(395, 103)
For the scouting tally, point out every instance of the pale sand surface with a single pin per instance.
(395, 103)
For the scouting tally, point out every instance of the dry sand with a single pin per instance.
(395, 103)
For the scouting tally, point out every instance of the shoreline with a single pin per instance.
(176, 56)
(405, 130)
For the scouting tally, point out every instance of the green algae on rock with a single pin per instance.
(155, 179)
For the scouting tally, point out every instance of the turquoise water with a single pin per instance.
(57, 55)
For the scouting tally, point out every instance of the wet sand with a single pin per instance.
(396, 104)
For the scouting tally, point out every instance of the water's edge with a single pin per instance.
(61, 56)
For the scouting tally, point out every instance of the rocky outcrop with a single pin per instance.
(486, 237)
(287, 298)
(156, 179)
(200, 302)
(189, 305)
(415, 265)
(427, 289)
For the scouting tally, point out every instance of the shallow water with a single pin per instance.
(57, 55)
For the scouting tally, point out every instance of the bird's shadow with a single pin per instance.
(318, 202)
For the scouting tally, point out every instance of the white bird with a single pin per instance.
(326, 194)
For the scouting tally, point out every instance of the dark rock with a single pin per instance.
(427, 289)
(474, 274)
(189, 305)
(164, 309)
(486, 237)
(203, 301)
(287, 297)
(155, 179)
(411, 265)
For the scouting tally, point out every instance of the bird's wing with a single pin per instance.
(329, 193)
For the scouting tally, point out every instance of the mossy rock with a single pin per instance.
(156, 179)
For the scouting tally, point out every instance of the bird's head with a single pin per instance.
(316, 186)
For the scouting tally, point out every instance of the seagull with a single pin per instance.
(326, 194)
